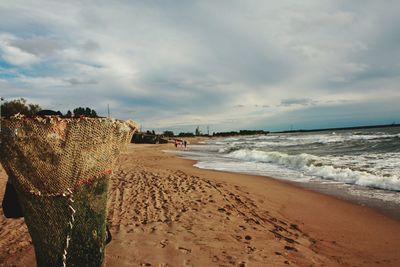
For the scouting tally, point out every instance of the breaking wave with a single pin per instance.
(320, 167)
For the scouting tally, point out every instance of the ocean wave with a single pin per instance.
(318, 167)
(348, 142)
(373, 136)
(327, 138)
(273, 157)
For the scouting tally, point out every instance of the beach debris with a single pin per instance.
(290, 248)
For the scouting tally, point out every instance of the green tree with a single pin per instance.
(93, 114)
(182, 134)
(78, 112)
(10, 108)
(168, 133)
(86, 112)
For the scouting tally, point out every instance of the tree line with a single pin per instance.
(218, 134)
(13, 107)
(241, 132)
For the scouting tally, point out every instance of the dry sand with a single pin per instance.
(164, 212)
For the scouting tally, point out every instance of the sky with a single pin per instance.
(229, 65)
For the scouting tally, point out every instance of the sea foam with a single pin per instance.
(314, 166)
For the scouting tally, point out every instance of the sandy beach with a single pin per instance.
(165, 212)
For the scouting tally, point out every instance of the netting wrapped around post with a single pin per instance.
(60, 169)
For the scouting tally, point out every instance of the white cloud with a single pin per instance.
(15, 55)
(176, 63)
(42, 82)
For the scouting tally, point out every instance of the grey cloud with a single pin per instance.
(297, 101)
(347, 114)
(204, 56)
(38, 46)
(90, 45)
(75, 81)
(254, 106)
(337, 101)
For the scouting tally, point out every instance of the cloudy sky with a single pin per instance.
(254, 64)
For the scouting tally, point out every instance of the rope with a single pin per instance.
(70, 195)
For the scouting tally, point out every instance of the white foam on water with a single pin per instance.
(366, 159)
(290, 140)
(315, 167)
(252, 168)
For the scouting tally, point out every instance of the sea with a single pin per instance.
(360, 165)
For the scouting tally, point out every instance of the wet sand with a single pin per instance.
(346, 192)
(165, 212)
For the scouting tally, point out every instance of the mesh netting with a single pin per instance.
(60, 169)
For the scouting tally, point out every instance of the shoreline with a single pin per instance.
(338, 190)
(163, 211)
(322, 212)
(386, 208)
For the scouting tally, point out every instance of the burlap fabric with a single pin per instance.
(60, 169)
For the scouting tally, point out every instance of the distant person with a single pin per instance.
(176, 143)
(184, 143)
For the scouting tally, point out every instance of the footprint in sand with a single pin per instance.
(185, 250)
(247, 237)
(164, 243)
(289, 248)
